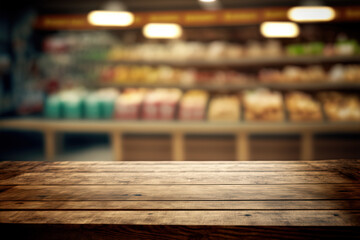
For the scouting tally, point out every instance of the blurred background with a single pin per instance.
(187, 64)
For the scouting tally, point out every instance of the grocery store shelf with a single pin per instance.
(245, 61)
(234, 87)
(178, 131)
(144, 126)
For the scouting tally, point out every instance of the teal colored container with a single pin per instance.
(73, 109)
(92, 108)
(107, 107)
(52, 107)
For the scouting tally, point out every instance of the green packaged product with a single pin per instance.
(295, 50)
(92, 107)
(53, 107)
(314, 48)
(73, 108)
(107, 107)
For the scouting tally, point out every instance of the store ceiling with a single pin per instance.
(83, 6)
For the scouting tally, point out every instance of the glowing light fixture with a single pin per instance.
(311, 14)
(210, 5)
(110, 18)
(279, 29)
(162, 30)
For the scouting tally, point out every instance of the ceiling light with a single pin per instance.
(207, 1)
(279, 29)
(162, 30)
(311, 14)
(110, 18)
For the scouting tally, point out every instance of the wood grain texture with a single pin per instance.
(181, 200)
(232, 178)
(214, 218)
(182, 205)
(178, 166)
(183, 192)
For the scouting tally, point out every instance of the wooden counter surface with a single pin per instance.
(180, 200)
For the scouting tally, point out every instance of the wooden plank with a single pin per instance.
(307, 146)
(183, 192)
(182, 205)
(336, 147)
(116, 145)
(166, 166)
(242, 146)
(88, 167)
(244, 163)
(274, 148)
(50, 144)
(210, 148)
(177, 146)
(150, 148)
(214, 218)
(168, 127)
(235, 178)
(208, 156)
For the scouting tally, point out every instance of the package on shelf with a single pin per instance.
(254, 49)
(272, 48)
(216, 50)
(188, 77)
(107, 98)
(118, 52)
(100, 104)
(72, 102)
(128, 104)
(311, 48)
(160, 104)
(344, 73)
(234, 51)
(314, 73)
(345, 46)
(193, 105)
(92, 108)
(53, 106)
(302, 107)
(224, 108)
(263, 105)
(339, 106)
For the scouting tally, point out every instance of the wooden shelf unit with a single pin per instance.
(177, 130)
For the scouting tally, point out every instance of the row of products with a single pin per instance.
(220, 50)
(103, 46)
(129, 74)
(196, 105)
(79, 103)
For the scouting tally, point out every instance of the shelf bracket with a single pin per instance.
(117, 145)
(242, 146)
(178, 148)
(307, 146)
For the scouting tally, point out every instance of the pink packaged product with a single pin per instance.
(193, 105)
(128, 104)
(160, 104)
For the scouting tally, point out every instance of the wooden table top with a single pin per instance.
(272, 199)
